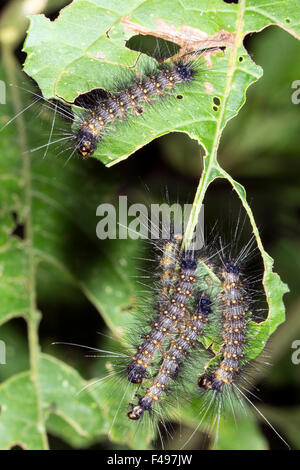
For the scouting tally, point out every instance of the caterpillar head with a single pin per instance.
(205, 381)
(210, 382)
(185, 71)
(138, 410)
(86, 143)
(204, 306)
(188, 260)
(231, 267)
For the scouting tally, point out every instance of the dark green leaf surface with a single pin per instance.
(64, 224)
(100, 60)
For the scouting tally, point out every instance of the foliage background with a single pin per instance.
(259, 148)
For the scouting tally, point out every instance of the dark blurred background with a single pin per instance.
(260, 149)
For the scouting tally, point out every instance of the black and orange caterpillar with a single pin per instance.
(116, 105)
(235, 307)
(173, 359)
(171, 312)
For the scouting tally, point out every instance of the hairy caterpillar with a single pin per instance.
(117, 104)
(93, 117)
(187, 327)
(173, 358)
(173, 312)
(92, 114)
(234, 313)
(164, 323)
(160, 388)
(167, 261)
(225, 379)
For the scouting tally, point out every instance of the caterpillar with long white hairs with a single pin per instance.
(94, 116)
(146, 90)
(199, 294)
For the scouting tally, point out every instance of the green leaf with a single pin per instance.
(62, 222)
(229, 76)
(60, 388)
(20, 423)
(13, 284)
(16, 351)
(241, 435)
(76, 415)
(100, 60)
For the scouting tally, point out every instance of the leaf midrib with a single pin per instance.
(32, 318)
(206, 176)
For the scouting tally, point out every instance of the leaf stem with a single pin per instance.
(212, 171)
(33, 317)
(211, 168)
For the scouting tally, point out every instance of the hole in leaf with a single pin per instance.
(19, 230)
(217, 101)
(287, 20)
(231, 1)
(179, 97)
(215, 108)
(91, 99)
(241, 59)
(155, 47)
(15, 350)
